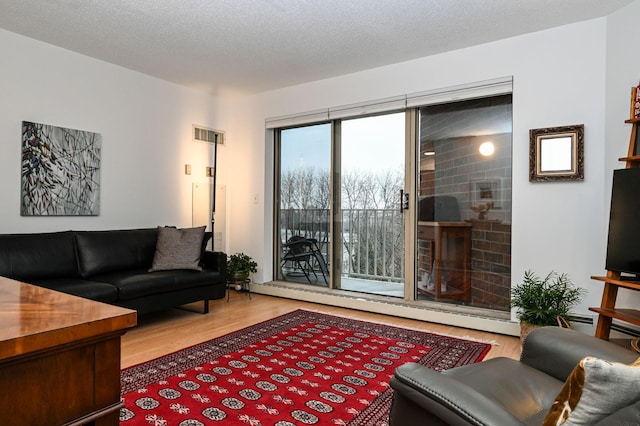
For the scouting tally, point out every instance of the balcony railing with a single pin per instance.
(372, 240)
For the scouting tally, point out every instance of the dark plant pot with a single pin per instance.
(238, 276)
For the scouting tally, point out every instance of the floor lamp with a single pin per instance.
(213, 190)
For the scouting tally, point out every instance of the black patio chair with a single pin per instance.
(305, 256)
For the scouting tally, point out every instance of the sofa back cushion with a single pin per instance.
(30, 257)
(101, 252)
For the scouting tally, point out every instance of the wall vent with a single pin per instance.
(205, 134)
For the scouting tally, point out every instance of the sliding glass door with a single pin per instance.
(358, 245)
(464, 203)
(371, 169)
(343, 223)
(304, 190)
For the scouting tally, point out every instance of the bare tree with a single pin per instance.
(388, 184)
(372, 227)
(321, 194)
(305, 189)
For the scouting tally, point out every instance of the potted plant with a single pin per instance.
(239, 267)
(544, 301)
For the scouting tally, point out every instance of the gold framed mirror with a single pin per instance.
(556, 153)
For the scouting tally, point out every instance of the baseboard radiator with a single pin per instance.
(582, 321)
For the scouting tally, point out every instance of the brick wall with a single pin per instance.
(490, 264)
(490, 275)
(461, 171)
(457, 170)
(454, 133)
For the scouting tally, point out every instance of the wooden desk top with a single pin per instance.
(34, 318)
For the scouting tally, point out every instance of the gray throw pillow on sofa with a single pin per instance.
(178, 249)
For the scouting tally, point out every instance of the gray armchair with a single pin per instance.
(503, 391)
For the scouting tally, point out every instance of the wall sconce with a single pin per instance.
(487, 149)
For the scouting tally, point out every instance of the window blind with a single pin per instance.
(317, 116)
(482, 89)
(498, 86)
(396, 103)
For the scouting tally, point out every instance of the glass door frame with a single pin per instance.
(277, 243)
(410, 221)
(335, 213)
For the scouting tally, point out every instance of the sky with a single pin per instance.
(369, 144)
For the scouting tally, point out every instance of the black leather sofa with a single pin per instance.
(111, 267)
(503, 391)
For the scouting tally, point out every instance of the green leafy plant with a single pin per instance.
(241, 262)
(541, 302)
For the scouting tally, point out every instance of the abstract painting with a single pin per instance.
(60, 171)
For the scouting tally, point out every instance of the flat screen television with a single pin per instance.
(623, 245)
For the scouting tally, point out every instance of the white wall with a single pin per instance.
(146, 135)
(559, 77)
(562, 76)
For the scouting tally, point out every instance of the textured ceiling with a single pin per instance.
(231, 47)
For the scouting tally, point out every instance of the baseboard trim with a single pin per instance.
(399, 309)
(588, 323)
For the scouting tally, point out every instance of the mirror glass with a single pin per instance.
(556, 154)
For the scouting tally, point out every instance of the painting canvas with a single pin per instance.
(60, 171)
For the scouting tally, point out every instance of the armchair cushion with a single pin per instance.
(451, 401)
(522, 391)
(595, 389)
(480, 394)
(504, 391)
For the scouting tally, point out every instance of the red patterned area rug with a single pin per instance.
(302, 368)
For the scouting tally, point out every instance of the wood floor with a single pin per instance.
(165, 332)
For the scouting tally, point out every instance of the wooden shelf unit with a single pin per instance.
(633, 156)
(632, 159)
(450, 247)
(607, 311)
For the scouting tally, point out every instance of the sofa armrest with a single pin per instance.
(424, 396)
(216, 261)
(556, 351)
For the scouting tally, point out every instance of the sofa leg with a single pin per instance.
(205, 309)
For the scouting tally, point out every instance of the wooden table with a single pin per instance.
(59, 357)
(450, 244)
